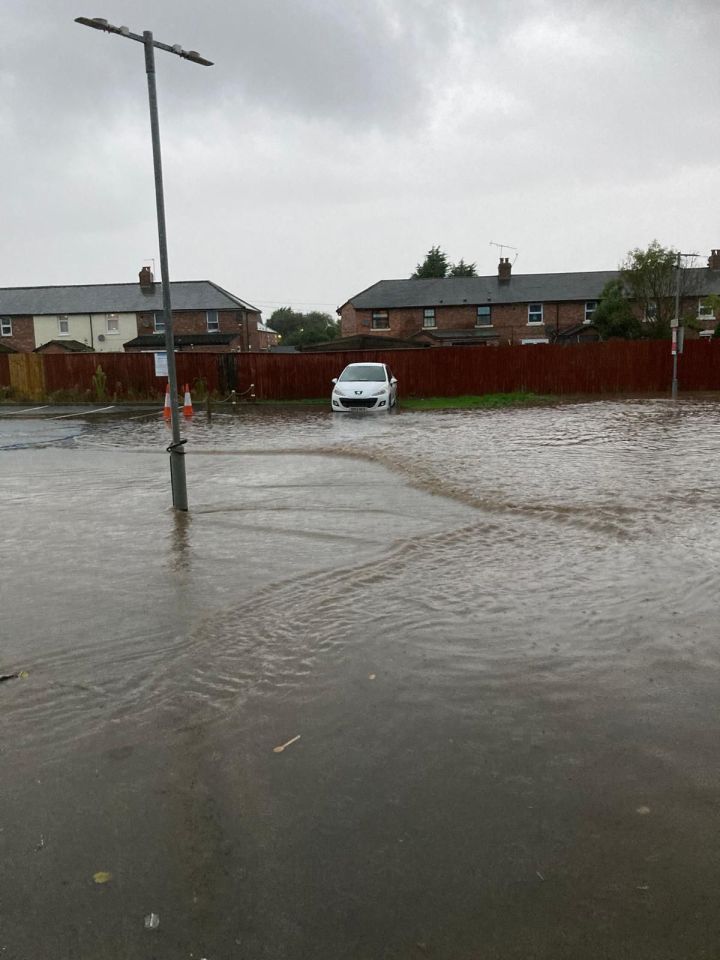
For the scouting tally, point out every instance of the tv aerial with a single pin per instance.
(505, 246)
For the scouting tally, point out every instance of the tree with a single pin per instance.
(462, 269)
(614, 315)
(301, 329)
(435, 264)
(650, 279)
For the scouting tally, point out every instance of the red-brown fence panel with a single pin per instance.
(699, 365)
(588, 368)
(633, 367)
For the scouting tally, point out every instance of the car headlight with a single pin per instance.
(337, 392)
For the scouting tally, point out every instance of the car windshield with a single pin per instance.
(362, 371)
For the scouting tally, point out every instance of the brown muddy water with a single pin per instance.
(494, 632)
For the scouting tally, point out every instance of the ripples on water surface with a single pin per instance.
(585, 545)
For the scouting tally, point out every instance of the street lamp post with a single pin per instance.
(176, 451)
(677, 331)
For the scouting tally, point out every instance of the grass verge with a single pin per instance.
(484, 401)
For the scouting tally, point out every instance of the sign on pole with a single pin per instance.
(161, 364)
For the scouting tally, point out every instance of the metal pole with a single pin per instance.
(177, 454)
(675, 332)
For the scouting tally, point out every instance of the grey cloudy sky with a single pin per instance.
(334, 141)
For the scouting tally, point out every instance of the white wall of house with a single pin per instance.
(104, 332)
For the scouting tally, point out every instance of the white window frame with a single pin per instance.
(590, 310)
(531, 313)
(376, 317)
(488, 322)
(704, 312)
(113, 318)
(429, 315)
(158, 322)
(530, 340)
(63, 320)
(5, 327)
(215, 326)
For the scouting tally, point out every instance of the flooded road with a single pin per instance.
(494, 632)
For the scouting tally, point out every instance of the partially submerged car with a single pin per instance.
(364, 386)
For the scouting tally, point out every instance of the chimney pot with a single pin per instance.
(504, 269)
(146, 277)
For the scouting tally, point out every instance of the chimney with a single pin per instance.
(146, 278)
(504, 268)
(714, 260)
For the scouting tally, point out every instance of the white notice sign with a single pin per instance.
(161, 369)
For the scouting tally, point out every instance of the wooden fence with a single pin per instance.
(589, 368)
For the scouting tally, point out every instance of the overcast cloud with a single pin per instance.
(334, 142)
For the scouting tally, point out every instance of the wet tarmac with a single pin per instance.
(495, 634)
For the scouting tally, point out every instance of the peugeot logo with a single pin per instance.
(358, 393)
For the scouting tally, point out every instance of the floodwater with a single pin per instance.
(495, 634)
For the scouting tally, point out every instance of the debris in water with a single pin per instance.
(152, 921)
(539, 875)
(22, 675)
(102, 876)
(371, 676)
(284, 746)
(643, 810)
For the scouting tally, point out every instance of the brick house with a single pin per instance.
(110, 318)
(501, 309)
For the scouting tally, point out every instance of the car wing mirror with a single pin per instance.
(334, 380)
(393, 379)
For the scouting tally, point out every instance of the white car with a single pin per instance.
(364, 386)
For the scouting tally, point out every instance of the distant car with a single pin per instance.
(364, 386)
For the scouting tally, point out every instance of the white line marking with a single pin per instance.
(25, 410)
(82, 413)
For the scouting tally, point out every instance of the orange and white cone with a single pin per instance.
(187, 402)
(166, 411)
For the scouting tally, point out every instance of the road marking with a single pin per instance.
(82, 413)
(25, 410)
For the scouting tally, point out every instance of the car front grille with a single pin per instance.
(357, 404)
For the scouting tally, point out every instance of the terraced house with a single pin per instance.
(501, 309)
(116, 317)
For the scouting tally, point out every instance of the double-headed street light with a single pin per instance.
(177, 454)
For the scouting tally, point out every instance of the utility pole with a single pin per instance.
(176, 451)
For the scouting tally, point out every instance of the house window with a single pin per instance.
(590, 308)
(535, 313)
(705, 311)
(63, 325)
(535, 340)
(213, 323)
(651, 311)
(5, 327)
(159, 322)
(380, 320)
(429, 317)
(113, 322)
(484, 318)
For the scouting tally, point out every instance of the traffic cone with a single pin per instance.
(187, 402)
(166, 411)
